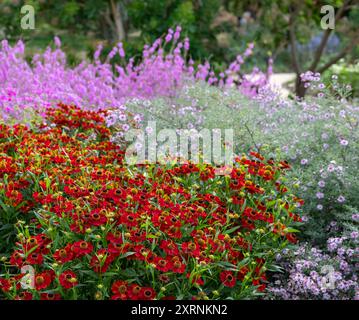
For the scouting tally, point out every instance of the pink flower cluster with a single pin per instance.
(102, 84)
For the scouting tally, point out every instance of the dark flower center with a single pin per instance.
(122, 288)
(84, 245)
(63, 253)
(148, 293)
(229, 277)
(40, 280)
(192, 246)
(136, 289)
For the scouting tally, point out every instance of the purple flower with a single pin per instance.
(57, 42)
(168, 37)
(320, 195)
(122, 117)
(137, 118)
(343, 265)
(321, 184)
(125, 127)
(341, 199)
(344, 142)
(303, 161)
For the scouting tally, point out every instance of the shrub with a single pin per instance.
(346, 73)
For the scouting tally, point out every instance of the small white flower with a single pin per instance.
(149, 130)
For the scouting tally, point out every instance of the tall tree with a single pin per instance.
(315, 66)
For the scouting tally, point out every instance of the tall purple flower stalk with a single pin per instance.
(101, 84)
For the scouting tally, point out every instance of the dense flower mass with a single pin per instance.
(319, 274)
(93, 227)
(104, 84)
(83, 223)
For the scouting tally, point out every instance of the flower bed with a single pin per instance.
(93, 228)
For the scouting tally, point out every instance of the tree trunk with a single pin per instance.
(299, 87)
(116, 13)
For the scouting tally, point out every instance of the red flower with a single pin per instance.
(50, 296)
(129, 219)
(115, 237)
(17, 259)
(43, 280)
(191, 248)
(291, 237)
(260, 287)
(24, 296)
(8, 284)
(242, 273)
(169, 247)
(68, 279)
(134, 291)
(119, 297)
(35, 258)
(147, 294)
(162, 264)
(228, 279)
(178, 266)
(97, 218)
(82, 248)
(64, 255)
(117, 248)
(119, 287)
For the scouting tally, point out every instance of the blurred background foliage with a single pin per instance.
(218, 29)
